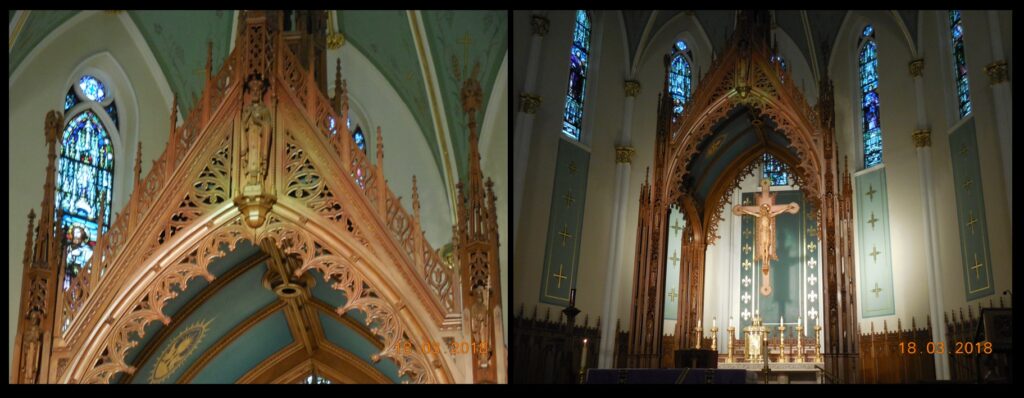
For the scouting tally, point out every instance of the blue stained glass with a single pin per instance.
(679, 79)
(868, 31)
(782, 66)
(331, 125)
(112, 111)
(92, 88)
(871, 121)
(960, 64)
(84, 179)
(359, 139)
(70, 99)
(774, 170)
(578, 64)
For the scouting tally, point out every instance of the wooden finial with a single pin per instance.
(28, 239)
(138, 164)
(380, 149)
(415, 200)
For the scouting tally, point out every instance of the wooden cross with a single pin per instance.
(465, 41)
(876, 290)
(564, 233)
(874, 253)
(572, 167)
(871, 192)
(872, 221)
(676, 227)
(971, 221)
(568, 198)
(967, 185)
(559, 276)
(674, 258)
(977, 267)
(672, 294)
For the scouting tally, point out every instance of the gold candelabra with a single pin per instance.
(799, 343)
(732, 332)
(817, 343)
(782, 343)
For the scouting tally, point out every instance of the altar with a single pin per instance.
(779, 373)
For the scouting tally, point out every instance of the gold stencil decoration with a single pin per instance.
(180, 348)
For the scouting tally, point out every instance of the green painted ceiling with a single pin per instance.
(178, 41)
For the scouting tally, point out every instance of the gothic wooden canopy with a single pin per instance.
(743, 77)
(265, 157)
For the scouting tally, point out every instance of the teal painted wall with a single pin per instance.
(873, 245)
(970, 212)
(351, 341)
(261, 341)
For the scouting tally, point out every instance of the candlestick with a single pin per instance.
(583, 361)
(817, 341)
(799, 342)
(698, 334)
(714, 338)
(731, 331)
(782, 341)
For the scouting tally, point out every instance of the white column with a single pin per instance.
(529, 101)
(1003, 101)
(922, 141)
(623, 157)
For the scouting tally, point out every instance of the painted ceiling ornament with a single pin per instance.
(179, 349)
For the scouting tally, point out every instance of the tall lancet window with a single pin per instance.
(679, 80)
(773, 170)
(85, 170)
(871, 122)
(579, 61)
(963, 94)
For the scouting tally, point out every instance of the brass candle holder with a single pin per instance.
(782, 343)
(732, 332)
(714, 338)
(698, 334)
(799, 343)
(817, 343)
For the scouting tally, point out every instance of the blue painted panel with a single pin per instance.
(355, 343)
(261, 341)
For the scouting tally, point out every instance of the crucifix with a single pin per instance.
(764, 239)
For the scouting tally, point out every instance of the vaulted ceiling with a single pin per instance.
(424, 55)
(236, 329)
(809, 29)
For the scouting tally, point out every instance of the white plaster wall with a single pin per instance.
(39, 86)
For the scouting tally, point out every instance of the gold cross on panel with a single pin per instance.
(559, 276)
(876, 290)
(872, 221)
(971, 220)
(674, 258)
(977, 267)
(572, 167)
(871, 192)
(676, 227)
(967, 185)
(874, 253)
(672, 294)
(564, 233)
(569, 200)
(746, 248)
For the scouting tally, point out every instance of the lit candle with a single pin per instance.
(780, 321)
(698, 324)
(572, 297)
(583, 361)
(714, 322)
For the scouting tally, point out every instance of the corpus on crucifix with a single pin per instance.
(764, 239)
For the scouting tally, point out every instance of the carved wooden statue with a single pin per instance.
(764, 239)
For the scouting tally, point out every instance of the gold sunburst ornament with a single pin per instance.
(178, 350)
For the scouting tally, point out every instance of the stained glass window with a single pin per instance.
(112, 111)
(579, 61)
(70, 99)
(92, 88)
(359, 138)
(963, 94)
(871, 124)
(679, 80)
(773, 170)
(316, 379)
(84, 180)
(782, 66)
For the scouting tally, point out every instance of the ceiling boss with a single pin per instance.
(764, 239)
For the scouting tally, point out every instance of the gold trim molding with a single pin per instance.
(916, 67)
(632, 88)
(922, 138)
(996, 72)
(529, 103)
(624, 154)
(540, 25)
